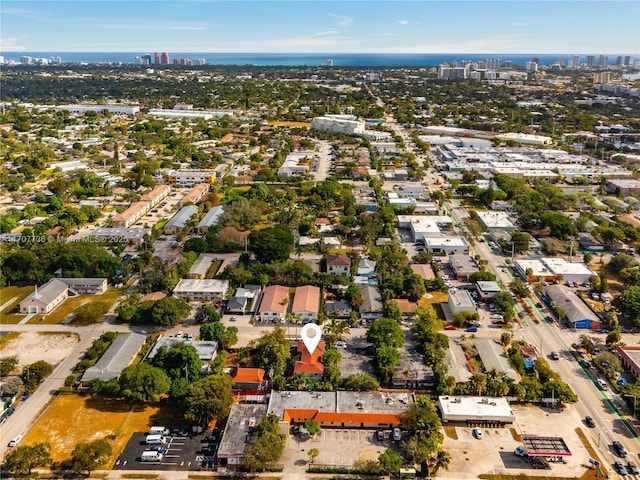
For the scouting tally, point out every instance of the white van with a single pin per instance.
(155, 440)
(158, 431)
(151, 456)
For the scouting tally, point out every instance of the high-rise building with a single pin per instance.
(601, 77)
(156, 58)
(627, 60)
(575, 61)
(531, 66)
(164, 58)
(330, 63)
(603, 61)
(591, 60)
(493, 63)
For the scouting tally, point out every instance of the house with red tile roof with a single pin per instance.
(309, 363)
(306, 303)
(273, 306)
(248, 379)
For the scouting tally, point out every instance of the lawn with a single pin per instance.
(290, 124)
(71, 419)
(8, 294)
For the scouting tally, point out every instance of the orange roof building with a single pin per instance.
(309, 363)
(248, 379)
(306, 303)
(274, 303)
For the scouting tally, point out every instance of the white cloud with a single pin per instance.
(403, 22)
(387, 34)
(519, 24)
(187, 28)
(13, 44)
(328, 32)
(341, 20)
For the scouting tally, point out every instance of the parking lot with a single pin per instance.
(493, 453)
(183, 452)
(340, 447)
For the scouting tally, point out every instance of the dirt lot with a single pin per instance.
(30, 347)
(71, 419)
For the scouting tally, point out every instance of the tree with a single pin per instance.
(313, 453)
(168, 311)
(274, 351)
(391, 310)
(520, 241)
(13, 386)
(8, 365)
(267, 445)
(240, 214)
(142, 383)
(336, 330)
(361, 382)
(90, 455)
(179, 361)
(422, 417)
(208, 398)
(226, 336)
(207, 313)
(628, 302)
(34, 374)
(312, 427)
(385, 331)
(24, 458)
(441, 460)
(271, 244)
(390, 461)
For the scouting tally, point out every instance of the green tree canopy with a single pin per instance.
(23, 458)
(142, 383)
(88, 456)
(274, 351)
(168, 311)
(207, 399)
(271, 244)
(178, 361)
(390, 461)
(226, 336)
(385, 331)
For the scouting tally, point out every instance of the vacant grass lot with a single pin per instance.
(290, 124)
(71, 419)
(15, 295)
(67, 307)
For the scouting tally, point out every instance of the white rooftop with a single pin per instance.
(187, 285)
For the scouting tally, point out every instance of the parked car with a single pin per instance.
(520, 451)
(380, 435)
(620, 468)
(472, 329)
(341, 344)
(589, 421)
(632, 468)
(450, 327)
(397, 435)
(602, 384)
(619, 449)
(477, 432)
(15, 440)
(555, 356)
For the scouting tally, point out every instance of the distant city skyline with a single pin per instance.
(355, 26)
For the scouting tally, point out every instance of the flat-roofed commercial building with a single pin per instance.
(208, 290)
(476, 410)
(201, 266)
(447, 245)
(112, 108)
(630, 356)
(463, 266)
(242, 422)
(190, 178)
(460, 301)
(495, 220)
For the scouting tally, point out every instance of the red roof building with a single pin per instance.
(309, 363)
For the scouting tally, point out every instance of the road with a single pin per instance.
(606, 408)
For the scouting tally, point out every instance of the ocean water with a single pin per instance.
(305, 59)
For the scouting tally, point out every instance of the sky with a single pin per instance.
(319, 26)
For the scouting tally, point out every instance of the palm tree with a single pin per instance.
(336, 330)
(441, 460)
